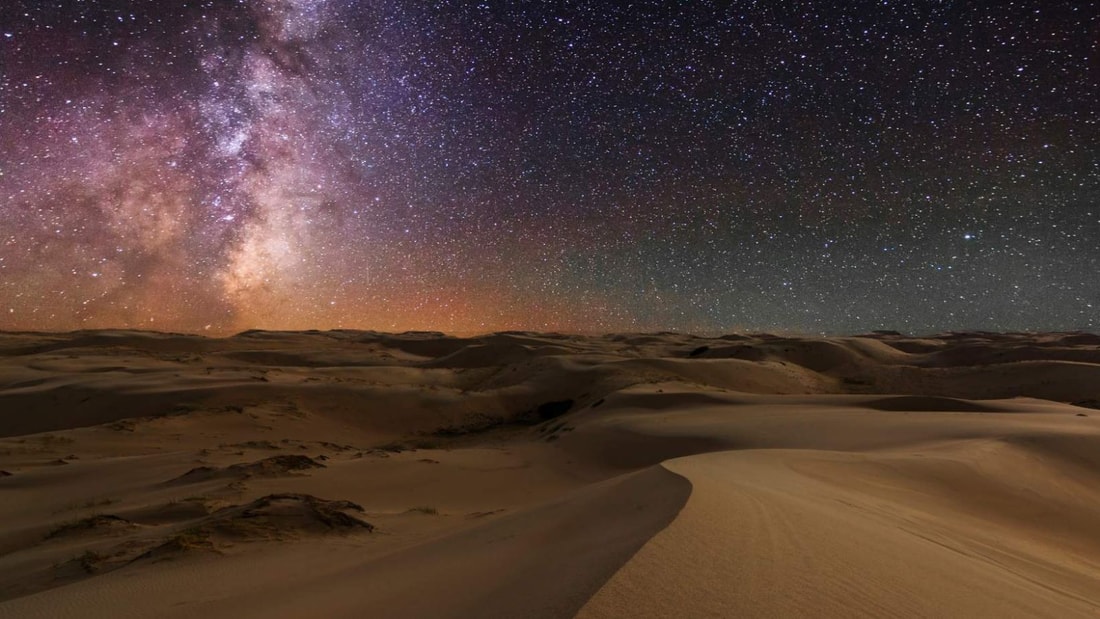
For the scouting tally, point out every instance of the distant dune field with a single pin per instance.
(362, 474)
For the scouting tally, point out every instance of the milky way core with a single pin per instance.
(585, 166)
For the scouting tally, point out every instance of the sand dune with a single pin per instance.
(348, 474)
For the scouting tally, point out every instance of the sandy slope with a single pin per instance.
(346, 474)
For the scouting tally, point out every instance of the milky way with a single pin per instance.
(582, 166)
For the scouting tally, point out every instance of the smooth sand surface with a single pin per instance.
(352, 474)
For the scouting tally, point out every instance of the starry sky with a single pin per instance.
(596, 165)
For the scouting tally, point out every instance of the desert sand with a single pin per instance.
(362, 474)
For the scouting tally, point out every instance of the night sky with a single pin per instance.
(576, 166)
